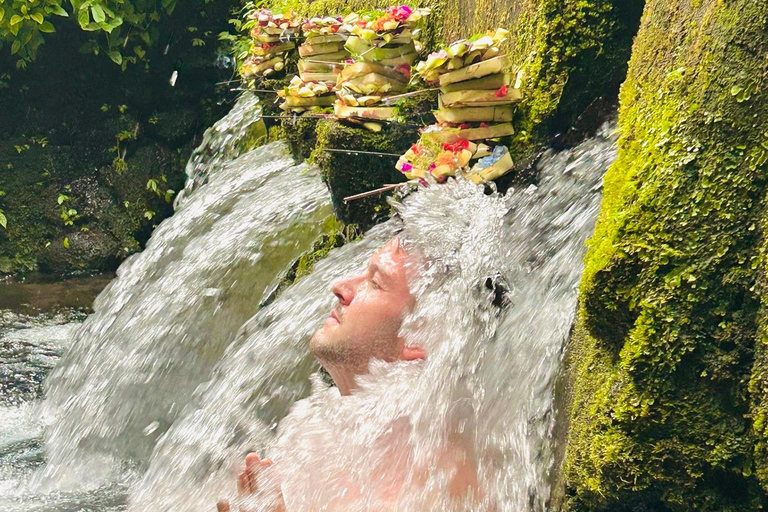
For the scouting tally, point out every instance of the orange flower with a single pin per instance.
(445, 158)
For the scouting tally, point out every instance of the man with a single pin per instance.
(364, 326)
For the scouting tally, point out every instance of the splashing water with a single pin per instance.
(160, 327)
(486, 384)
(186, 312)
(223, 142)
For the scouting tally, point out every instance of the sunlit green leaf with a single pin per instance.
(37, 17)
(98, 13)
(47, 27)
(3, 220)
(59, 11)
(83, 18)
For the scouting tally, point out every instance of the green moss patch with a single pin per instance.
(664, 347)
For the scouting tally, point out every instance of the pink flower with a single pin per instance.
(423, 182)
(349, 61)
(407, 167)
(401, 13)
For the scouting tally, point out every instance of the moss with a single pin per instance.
(353, 173)
(333, 234)
(336, 235)
(300, 132)
(665, 341)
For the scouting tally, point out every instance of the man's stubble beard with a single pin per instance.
(350, 354)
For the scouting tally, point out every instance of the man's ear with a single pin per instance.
(412, 353)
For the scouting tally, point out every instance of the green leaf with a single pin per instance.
(59, 11)
(47, 27)
(139, 51)
(112, 24)
(65, 243)
(37, 17)
(15, 47)
(3, 220)
(16, 19)
(98, 13)
(2, 13)
(116, 57)
(14, 29)
(82, 18)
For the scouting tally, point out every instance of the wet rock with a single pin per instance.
(87, 250)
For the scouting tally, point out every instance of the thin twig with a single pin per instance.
(355, 151)
(387, 99)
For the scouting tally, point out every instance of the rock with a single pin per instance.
(90, 250)
(668, 362)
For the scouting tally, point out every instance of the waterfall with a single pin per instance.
(223, 142)
(163, 323)
(499, 363)
(179, 372)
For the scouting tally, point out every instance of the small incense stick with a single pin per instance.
(372, 192)
(385, 188)
(313, 61)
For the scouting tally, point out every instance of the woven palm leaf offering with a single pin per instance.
(475, 85)
(322, 57)
(433, 159)
(475, 107)
(383, 48)
(274, 35)
(322, 54)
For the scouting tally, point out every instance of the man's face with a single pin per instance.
(365, 322)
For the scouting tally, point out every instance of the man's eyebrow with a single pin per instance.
(378, 268)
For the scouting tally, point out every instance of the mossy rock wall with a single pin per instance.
(573, 53)
(662, 414)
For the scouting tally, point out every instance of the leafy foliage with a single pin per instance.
(127, 26)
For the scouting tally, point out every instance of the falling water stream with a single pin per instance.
(180, 372)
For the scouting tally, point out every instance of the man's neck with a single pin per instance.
(343, 378)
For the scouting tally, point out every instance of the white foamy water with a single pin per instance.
(179, 361)
(223, 142)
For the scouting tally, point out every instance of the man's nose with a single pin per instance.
(344, 290)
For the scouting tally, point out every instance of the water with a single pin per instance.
(223, 142)
(163, 323)
(185, 312)
(488, 375)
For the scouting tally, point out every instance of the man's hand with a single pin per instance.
(248, 482)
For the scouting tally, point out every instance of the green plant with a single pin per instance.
(25, 23)
(154, 186)
(68, 215)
